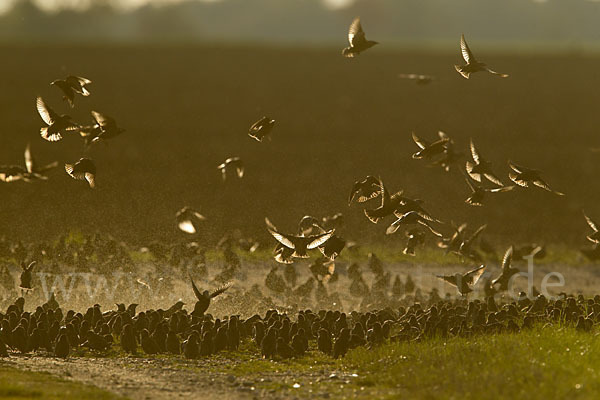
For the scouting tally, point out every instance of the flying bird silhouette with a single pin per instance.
(367, 189)
(84, 169)
(71, 85)
(261, 129)
(188, 220)
(472, 65)
(524, 176)
(357, 40)
(232, 163)
(57, 124)
(480, 167)
(300, 244)
(464, 282)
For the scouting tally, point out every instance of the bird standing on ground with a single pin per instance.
(357, 40)
(472, 65)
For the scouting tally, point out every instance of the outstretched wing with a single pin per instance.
(281, 238)
(498, 74)
(196, 291)
(506, 261)
(356, 35)
(466, 51)
(474, 152)
(420, 142)
(29, 161)
(451, 279)
(47, 114)
(221, 290)
(473, 276)
(590, 222)
(318, 240)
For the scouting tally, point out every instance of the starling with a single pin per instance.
(524, 176)
(389, 204)
(367, 189)
(204, 297)
(463, 282)
(190, 346)
(84, 169)
(128, 340)
(300, 244)
(420, 79)
(188, 220)
(357, 40)
(595, 236)
(261, 129)
(57, 124)
(283, 349)
(71, 85)
(429, 150)
(62, 348)
(478, 192)
(324, 341)
(340, 347)
(234, 163)
(148, 344)
(269, 343)
(507, 271)
(472, 65)
(172, 343)
(480, 167)
(411, 218)
(26, 276)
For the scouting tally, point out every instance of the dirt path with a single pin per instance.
(139, 378)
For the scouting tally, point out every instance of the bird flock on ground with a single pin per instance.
(275, 334)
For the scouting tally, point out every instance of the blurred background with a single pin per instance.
(187, 78)
(506, 24)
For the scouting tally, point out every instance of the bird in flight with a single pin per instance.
(13, 173)
(57, 124)
(357, 40)
(232, 163)
(472, 65)
(524, 176)
(480, 167)
(429, 150)
(595, 236)
(83, 170)
(367, 189)
(188, 220)
(478, 192)
(299, 243)
(507, 271)
(464, 282)
(71, 85)
(418, 78)
(261, 129)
